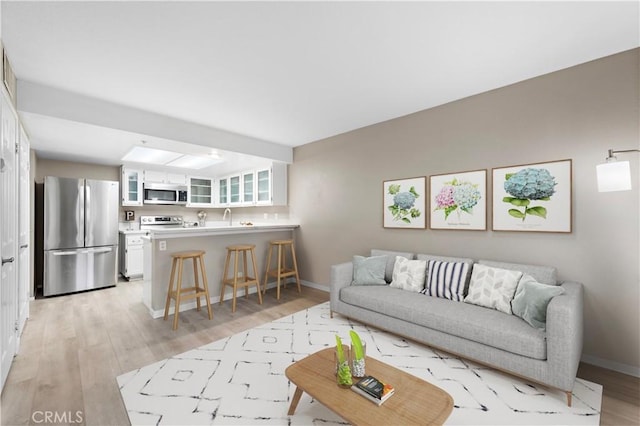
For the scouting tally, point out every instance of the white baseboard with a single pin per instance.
(611, 365)
(314, 285)
(159, 313)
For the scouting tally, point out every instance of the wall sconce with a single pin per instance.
(614, 175)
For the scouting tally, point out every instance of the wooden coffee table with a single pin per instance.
(414, 401)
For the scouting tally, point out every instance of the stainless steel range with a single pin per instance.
(149, 223)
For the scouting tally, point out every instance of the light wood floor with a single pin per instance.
(73, 347)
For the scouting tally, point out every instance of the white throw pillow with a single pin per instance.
(493, 287)
(409, 274)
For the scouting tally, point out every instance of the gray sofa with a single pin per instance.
(506, 342)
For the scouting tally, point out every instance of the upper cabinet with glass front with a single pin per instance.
(201, 192)
(131, 187)
(223, 192)
(234, 189)
(248, 188)
(271, 185)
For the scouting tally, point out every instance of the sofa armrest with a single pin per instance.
(341, 276)
(565, 325)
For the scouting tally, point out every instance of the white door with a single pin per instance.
(9, 245)
(24, 226)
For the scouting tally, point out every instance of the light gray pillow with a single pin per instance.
(369, 270)
(531, 301)
(391, 260)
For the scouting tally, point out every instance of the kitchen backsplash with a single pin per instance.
(267, 214)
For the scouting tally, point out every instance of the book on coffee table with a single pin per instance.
(373, 389)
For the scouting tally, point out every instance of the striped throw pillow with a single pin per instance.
(446, 279)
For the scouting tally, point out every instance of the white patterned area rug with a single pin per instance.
(240, 380)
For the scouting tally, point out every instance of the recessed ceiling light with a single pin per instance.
(193, 162)
(161, 157)
(150, 156)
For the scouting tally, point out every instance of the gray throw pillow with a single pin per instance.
(531, 301)
(369, 270)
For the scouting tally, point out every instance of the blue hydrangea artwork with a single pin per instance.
(404, 207)
(525, 186)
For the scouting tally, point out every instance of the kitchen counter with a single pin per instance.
(213, 239)
(219, 229)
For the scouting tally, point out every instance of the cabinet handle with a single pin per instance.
(24, 246)
(9, 260)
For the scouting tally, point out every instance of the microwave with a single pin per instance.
(164, 193)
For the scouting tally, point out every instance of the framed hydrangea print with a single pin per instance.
(403, 203)
(533, 197)
(458, 201)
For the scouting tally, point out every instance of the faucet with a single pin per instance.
(227, 210)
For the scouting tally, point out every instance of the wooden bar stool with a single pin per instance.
(197, 291)
(245, 280)
(281, 272)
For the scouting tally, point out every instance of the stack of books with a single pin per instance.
(373, 389)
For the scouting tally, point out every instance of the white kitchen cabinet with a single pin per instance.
(262, 187)
(234, 190)
(131, 254)
(223, 192)
(248, 188)
(156, 176)
(201, 192)
(130, 187)
(271, 185)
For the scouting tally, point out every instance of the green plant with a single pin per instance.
(356, 345)
(344, 372)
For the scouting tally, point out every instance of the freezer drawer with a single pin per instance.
(68, 271)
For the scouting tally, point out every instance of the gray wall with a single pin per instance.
(577, 113)
(70, 169)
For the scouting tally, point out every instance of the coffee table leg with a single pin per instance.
(294, 402)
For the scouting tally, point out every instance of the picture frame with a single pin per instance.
(403, 203)
(538, 197)
(458, 201)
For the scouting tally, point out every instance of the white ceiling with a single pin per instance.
(291, 72)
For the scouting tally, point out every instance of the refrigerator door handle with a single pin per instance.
(100, 250)
(68, 253)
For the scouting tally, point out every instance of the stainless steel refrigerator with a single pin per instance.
(80, 234)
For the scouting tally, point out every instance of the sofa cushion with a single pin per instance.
(531, 301)
(542, 274)
(466, 260)
(492, 287)
(471, 322)
(446, 279)
(391, 260)
(409, 274)
(369, 270)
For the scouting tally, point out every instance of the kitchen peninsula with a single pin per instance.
(213, 239)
